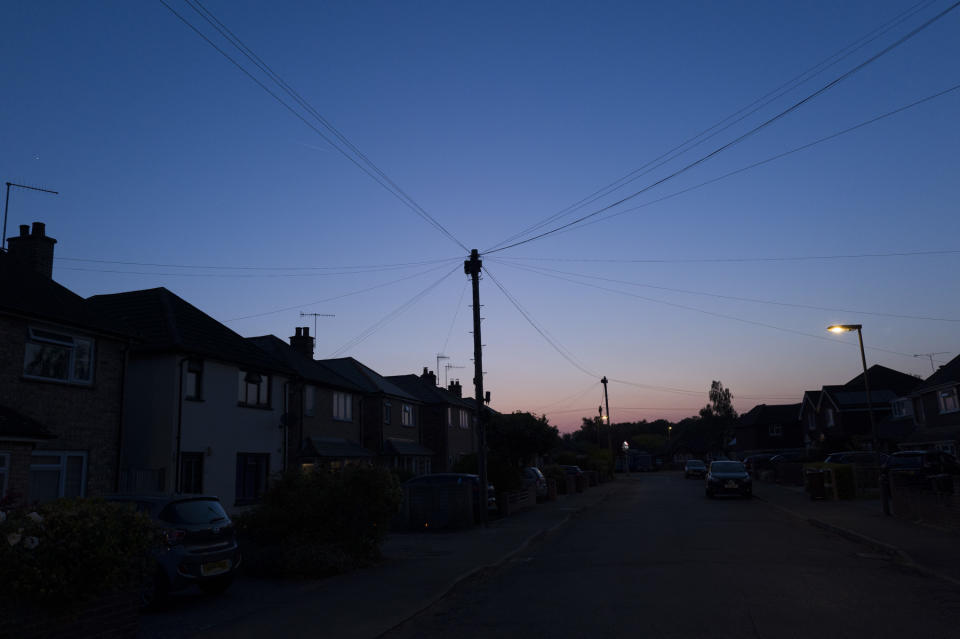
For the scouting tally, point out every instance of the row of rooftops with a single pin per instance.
(158, 321)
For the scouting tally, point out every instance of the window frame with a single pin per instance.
(194, 369)
(62, 468)
(342, 406)
(775, 430)
(262, 383)
(192, 456)
(387, 411)
(464, 419)
(39, 336)
(829, 419)
(948, 394)
(241, 496)
(4, 473)
(407, 416)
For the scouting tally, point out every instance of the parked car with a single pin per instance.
(694, 468)
(755, 463)
(199, 544)
(728, 477)
(572, 470)
(533, 477)
(856, 457)
(461, 478)
(925, 462)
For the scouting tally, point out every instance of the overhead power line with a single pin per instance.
(742, 137)
(351, 152)
(750, 109)
(795, 258)
(335, 297)
(392, 315)
(357, 268)
(735, 298)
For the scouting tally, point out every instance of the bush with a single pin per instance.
(316, 524)
(70, 551)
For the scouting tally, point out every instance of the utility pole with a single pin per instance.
(606, 399)
(599, 422)
(472, 268)
(6, 206)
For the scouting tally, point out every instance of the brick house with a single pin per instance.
(61, 380)
(769, 428)
(447, 419)
(203, 407)
(323, 418)
(935, 407)
(840, 420)
(390, 418)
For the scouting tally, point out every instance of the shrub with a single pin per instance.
(65, 553)
(315, 524)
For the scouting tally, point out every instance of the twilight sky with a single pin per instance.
(176, 169)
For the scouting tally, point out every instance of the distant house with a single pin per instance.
(935, 408)
(447, 419)
(203, 408)
(769, 428)
(390, 418)
(61, 381)
(324, 410)
(841, 418)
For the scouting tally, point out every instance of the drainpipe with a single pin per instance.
(123, 388)
(176, 477)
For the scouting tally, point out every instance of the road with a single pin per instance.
(659, 559)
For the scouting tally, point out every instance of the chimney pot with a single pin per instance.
(306, 331)
(39, 229)
(24, 230)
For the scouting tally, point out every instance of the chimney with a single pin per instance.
(455, 388)
(302, 342)
(33, 250)
(429, 376)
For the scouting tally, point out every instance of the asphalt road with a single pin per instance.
(661, 560)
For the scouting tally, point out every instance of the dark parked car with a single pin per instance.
(694, 468)
(726, 477)
(856, 457)
(199, 544)
(755, 463)
(923, 462)
(460, 478)
(572, 470)
(533, 477)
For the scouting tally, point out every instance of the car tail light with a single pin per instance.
(173, 536)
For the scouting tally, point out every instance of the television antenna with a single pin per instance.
(315, 316)
(446, 370)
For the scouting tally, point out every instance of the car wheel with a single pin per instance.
(154, 590)
(216, 585)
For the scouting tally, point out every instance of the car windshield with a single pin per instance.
(194, 511)
(695, 463)
(726, 467)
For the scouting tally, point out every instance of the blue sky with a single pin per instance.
(493, 117)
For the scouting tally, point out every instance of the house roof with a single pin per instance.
(426, 391)
(306, 367)
(949, 373)
(167, 323)
(364, 377)
(771, 414)
(883, 378)
(335, 447)
(14, 424)
(25, 292)
(399, 446)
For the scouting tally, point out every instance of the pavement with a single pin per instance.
(421, 567)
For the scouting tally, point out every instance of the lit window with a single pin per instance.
(58, 356)
(948, 400)
(254, 389)
(343, 407)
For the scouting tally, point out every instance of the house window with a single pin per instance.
(343, 407)
(829, 418)
(57, 474)
(449, 415)
(193, 381)
(4, 471)
(775, 430)
(309, 400)
(902, 408)
(406, 415)
(254, 389)
(387, 407)
(464, 419)
(948, 400)
(58, 356)
(191, 473)
(253, 469)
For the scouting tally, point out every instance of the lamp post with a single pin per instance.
(845, 328)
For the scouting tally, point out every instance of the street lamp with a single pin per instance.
(845, 328)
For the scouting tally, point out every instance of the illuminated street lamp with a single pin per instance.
(845, 328)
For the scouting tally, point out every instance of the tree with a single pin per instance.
(519, 437)
(718, 416)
